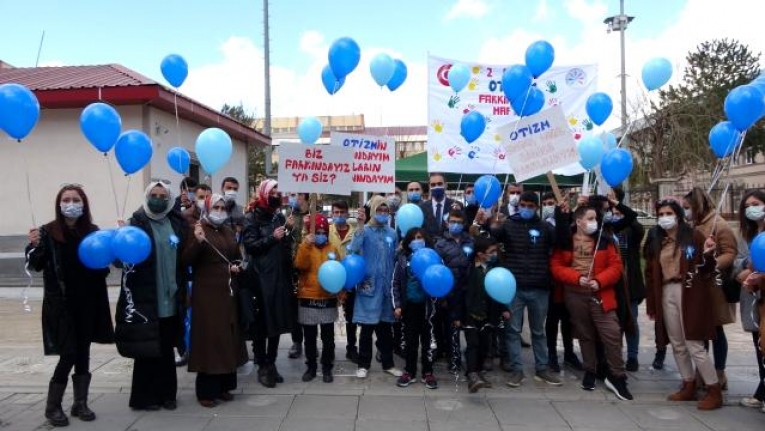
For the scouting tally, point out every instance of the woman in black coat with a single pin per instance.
(149, 311)
(268, 241)
(75, 308)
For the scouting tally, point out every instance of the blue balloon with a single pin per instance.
(616, 166)
(609, 140)
(744, 105)
(723, 138)
(759, 83)
(656, 72)
(472, 126)
(213, 148)
(309, 130)
(525, 106)
(355, 270)
(174, 69)
(331, 84)
(332, 276)
(344, 55)
(95, 251)
(516, 81)
(101, 125)
(458, 76)
(757, 249)
(133, 151)
(19, 110)
(423, 259)
(599, 107)
(178, 159)
(539, 57)
(131, 245)
(500, 285)
(437, 281)
(590, 152)
(399, 75)
(487, 190)
(382, 67)
(409, 216)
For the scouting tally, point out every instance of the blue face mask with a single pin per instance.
(470, 199)
(382, 218)
(339, 220)
(527, 213)
(320, 239)
(292, 201)
(493, 258)
(455, 228)
(417, 244)
(437, 193)
(414, 197)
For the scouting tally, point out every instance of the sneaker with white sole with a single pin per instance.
(548, 377)
(395, 372)
(751, 402)
(515, 379)
(618, 385)
(362, 373)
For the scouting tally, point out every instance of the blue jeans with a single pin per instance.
(633, 340)
(536, 300)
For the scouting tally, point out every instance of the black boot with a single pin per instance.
(53, 411)
(265, 377)
(310, 373)
(326, 374)
(277, 377)
(658, 360)
(81, 384)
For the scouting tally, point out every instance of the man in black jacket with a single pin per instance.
(435, 208)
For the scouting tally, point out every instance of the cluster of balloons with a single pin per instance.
(744, 106)
(518, 80)
(615, 163)
(387, 72)
(436, 279)
(19, 110)
(473, 123)
(334, 275)
(344, 56)
(127, 244)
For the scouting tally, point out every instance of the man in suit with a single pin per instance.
(439, 205)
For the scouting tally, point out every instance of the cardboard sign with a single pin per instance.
(374, 160)
(314, 169)
(538, 144)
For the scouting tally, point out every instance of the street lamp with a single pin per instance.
(619, 23)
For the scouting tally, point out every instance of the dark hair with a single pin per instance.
(409, 237)
(343, 205)
(701, 204)
(83, 225)
(748, 228)
(619, 194)
(204, 187)
(549, 195)
(469, 185)
(229, 180)
(456, 213)
(656, 235)
(582, 210)
(188, 183)
(530, 197)
(482, 243)
(597, 201)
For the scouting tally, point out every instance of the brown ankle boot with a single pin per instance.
(687, 393)
(713, 399)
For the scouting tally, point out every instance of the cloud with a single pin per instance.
(467, 8)
(542, 12)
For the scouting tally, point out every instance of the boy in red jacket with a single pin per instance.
(589, 266)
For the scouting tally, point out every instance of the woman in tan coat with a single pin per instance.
(700, 213)
(215, 344)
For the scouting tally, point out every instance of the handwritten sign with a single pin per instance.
(538, 144)
(314, 169)
(374, 160)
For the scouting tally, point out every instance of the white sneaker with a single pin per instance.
(395, 372)
(361, 373)
(751, 402)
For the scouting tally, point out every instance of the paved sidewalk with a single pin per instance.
(371, 404)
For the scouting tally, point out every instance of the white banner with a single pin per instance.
(538, 144)
(565, 86)
(314, 169)
(374, 160)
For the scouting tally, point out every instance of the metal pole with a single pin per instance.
(267, 83)
(622, 27)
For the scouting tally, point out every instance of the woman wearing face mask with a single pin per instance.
(268, 239)
(415, 308)
(317, 308)
(157, 292)
(214, 258)
(679, 276)
(751, 214)
(75, 309)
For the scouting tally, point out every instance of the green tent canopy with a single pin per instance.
(415, 168)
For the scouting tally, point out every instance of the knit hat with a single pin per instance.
(321, 223)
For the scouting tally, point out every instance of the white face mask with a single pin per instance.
(755, 213)
(548, 211)
(201, 204)
(71, 210)
(667, 222)
(513, 200)
(591, 227)
(217, 217)
(230, 195)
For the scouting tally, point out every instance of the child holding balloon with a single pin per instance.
(317, 307)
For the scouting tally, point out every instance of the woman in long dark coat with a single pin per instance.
(150, 306)
(214, 257)
(75, 303)
(268, 240)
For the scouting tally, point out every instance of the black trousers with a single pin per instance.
(79, 360)
(350, 327)
(327, 344)
(264, 349)
(212, 386)
(384, 334)
(557, 314)
(417, 336)
(154, 379)
(297, 329)
(399, 339)
(760, 392)
(479, 336)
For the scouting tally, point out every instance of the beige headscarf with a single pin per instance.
(374, 203)
(170, 202)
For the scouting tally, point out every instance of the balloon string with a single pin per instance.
(24, 294)
(111, 181)
(129, 304)
(124, 204)
(29, 189)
